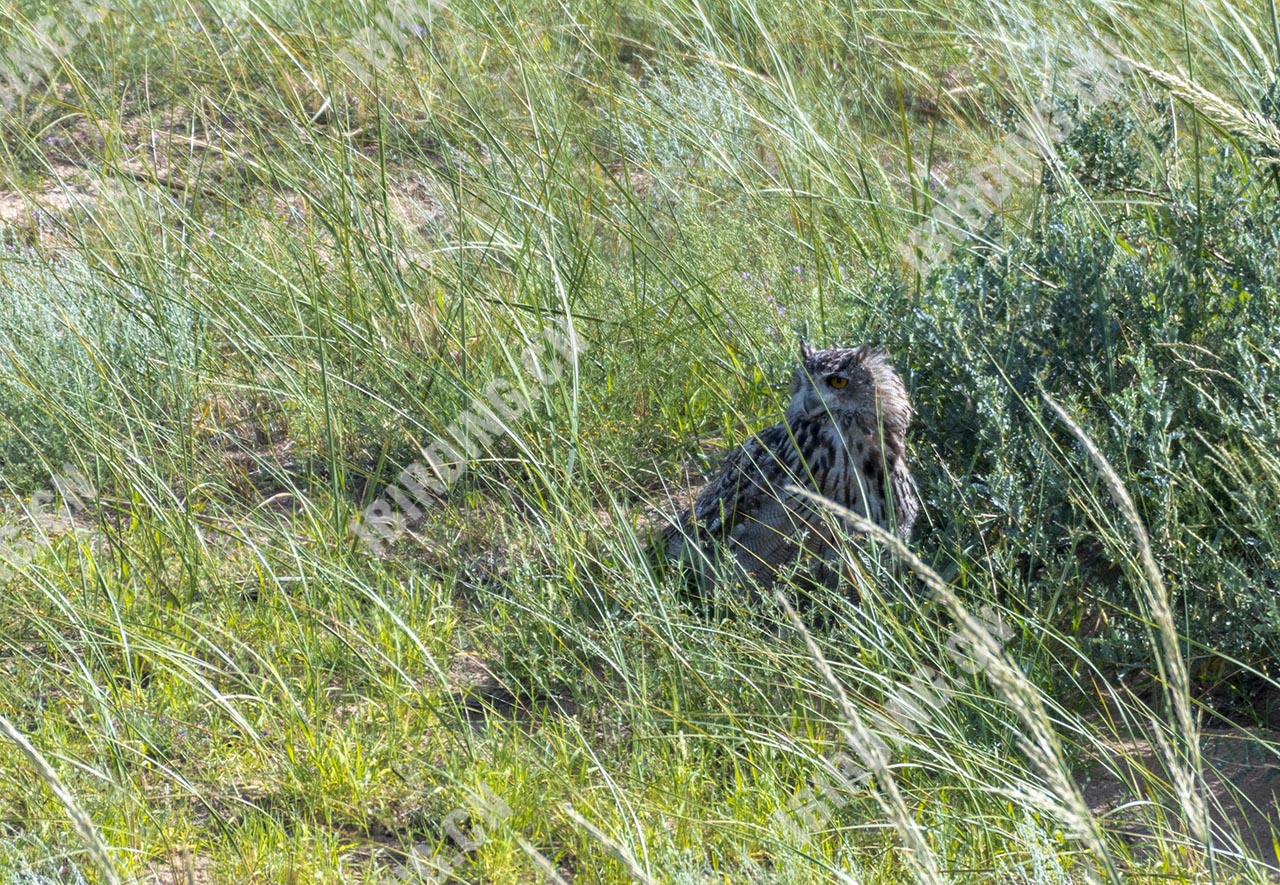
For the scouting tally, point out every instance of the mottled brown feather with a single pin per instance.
(847, 443)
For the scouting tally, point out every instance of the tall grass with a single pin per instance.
(249, 278)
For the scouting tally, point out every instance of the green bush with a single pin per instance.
(1158, 326)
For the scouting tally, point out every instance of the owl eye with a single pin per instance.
(838, 381)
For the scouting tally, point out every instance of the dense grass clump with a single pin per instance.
(261, 261)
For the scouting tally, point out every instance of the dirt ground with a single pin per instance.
(1242, 791)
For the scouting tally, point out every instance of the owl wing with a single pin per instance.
(905, 504)
(752, 475)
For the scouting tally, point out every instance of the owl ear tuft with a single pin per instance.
(806, 350)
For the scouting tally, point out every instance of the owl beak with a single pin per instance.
(813, 402)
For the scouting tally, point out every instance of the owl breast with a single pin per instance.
(844, 467)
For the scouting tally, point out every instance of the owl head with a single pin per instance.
(854, 386)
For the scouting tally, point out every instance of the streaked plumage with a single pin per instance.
(844, 436)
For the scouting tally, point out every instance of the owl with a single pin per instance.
(843, 436)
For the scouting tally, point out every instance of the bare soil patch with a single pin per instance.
(1242, 779)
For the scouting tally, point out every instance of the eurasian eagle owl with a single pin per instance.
(843, 437)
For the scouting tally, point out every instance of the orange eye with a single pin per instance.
(838, 381)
